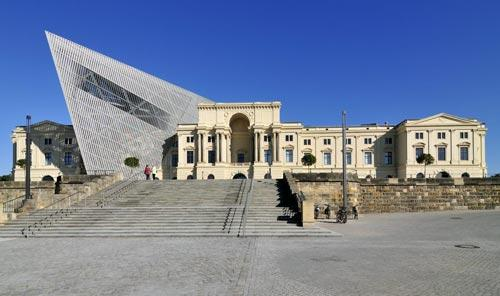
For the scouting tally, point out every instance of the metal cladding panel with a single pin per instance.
(118, 111)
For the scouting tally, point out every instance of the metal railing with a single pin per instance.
(248, 198)
(100, 172)
(12, 205)
(61, 206)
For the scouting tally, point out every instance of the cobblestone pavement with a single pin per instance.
(391, 254)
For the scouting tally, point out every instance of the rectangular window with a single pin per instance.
(190, 139)
(441, 153)
(418, 151)
(267, 156)
(211, 156)
(464, 153)
(388, 141)
(348, 141)
(175, 160)
(327, 158)
(68, 158)
(419, 136)
(190, 156)
(48, 158)
(210, 139)
(67, 141)
(388, 158)
(368, 141)
(48, 141)
(307, 142)
(327, 141)
(368, 158)
(289, 138)
(241, 157)
(348, 158)
(464, 135)
(289, 155)
(267, 138)
(441, 135)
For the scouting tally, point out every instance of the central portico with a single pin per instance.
(231, 140)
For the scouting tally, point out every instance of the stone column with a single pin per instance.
(473, 147)
(205, 146)
(254, 146)
(223, 147)
(228, 150)
(217, 147)
(277, 146)
(261, 147)
(198, 147)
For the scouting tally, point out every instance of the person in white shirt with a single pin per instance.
(154, 171)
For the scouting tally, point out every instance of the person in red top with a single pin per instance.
(147, 172)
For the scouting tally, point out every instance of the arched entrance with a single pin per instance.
(267, 176)
(210, 177)
(465, 175)
(443, 174)
(241, 139)
(420, 176)
(239, 176)
(48, 178)
(190, 177)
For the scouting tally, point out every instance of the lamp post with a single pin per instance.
(27, 165)
(342, 213)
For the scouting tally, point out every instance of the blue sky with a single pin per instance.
(379, 60)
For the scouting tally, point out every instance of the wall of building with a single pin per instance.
(393, 195)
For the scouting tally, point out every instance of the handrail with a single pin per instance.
(115, 189)
(25, 231)
(11, 205)
(249, 195)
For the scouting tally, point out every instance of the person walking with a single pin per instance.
(154, 172)
(147, 172)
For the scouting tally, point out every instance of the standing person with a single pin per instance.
(154, 171)
(147, 172)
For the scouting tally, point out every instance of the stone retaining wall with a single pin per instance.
(393, 195)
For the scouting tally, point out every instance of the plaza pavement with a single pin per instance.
(387, 254)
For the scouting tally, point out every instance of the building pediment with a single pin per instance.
(441, 119)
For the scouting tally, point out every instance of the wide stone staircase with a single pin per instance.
(169, 208)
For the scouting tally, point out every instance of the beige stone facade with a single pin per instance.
(248, 139)
(54, 149)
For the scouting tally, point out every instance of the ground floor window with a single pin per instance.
(418, 151)
(267, 156)
(368, 158)
(48, 158)
(348, 158)
(464, 153)
(441, 153)
(68, 158)
(211, 177)
(289, 155)
(388, 158)
(327, 158)
(211, 156)
(190, 156)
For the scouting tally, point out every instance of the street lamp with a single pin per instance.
(27, 165)
(342, 213)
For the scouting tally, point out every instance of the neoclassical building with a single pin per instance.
(54, 149)
(248, 140)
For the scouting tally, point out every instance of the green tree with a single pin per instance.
(308, 160)
(6, 178)
(21, 163)
(425, 159)
(131, 162)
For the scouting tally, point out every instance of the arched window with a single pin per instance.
(420, 176)
(210, 177)
(267, 176)
(465, 175)
(48, 178)
(239, 176)
(190, 177)
(443, 174)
